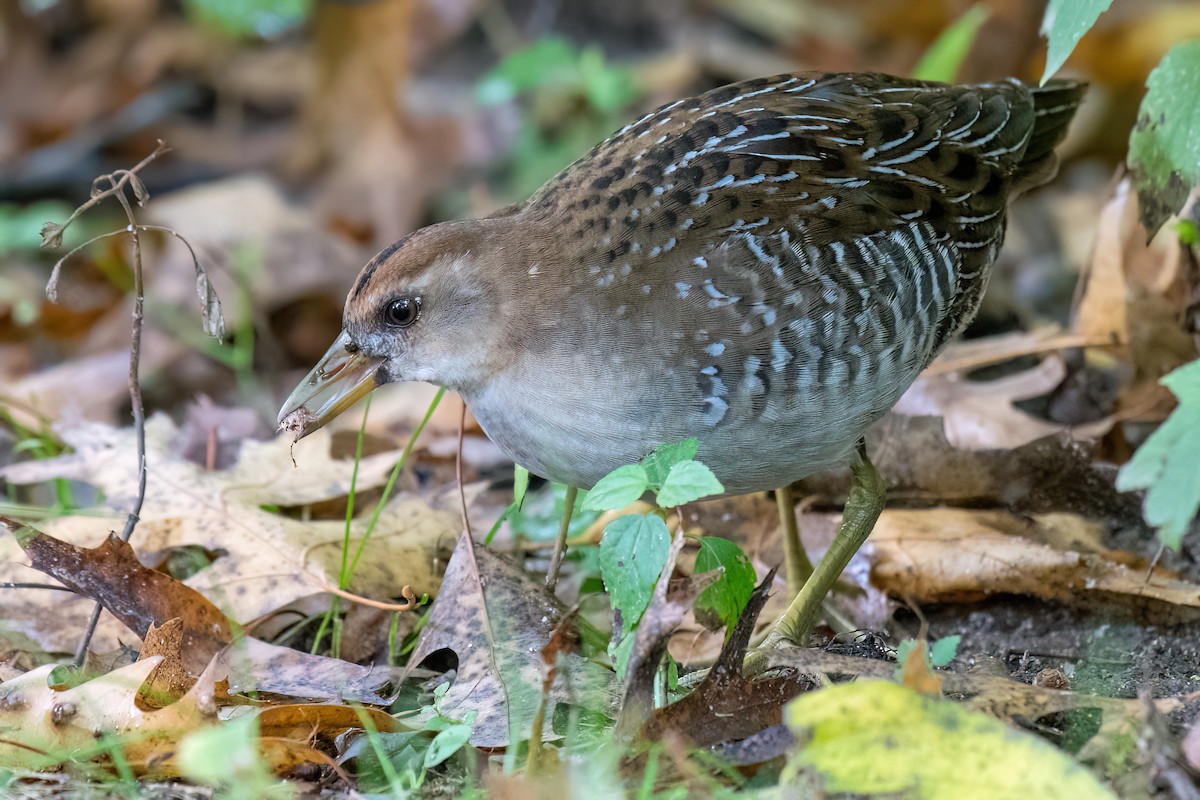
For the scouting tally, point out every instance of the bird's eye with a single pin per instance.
(402, 312)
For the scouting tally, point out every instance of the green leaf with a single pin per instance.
(404, 753)
(608, 88)
(1065, 23)
(659, 463)
(688, 481)
(520, 484)
(874, 737)
(727, 597)
(540, 516)
(942, 60)
(228, 756)
(264, 18)
(902, 650)
(942, 651)
(1167, 465)
(618, 489)
(633, 553)
(446, 744)
(545, 62)
(20, 226)
(1164, 148)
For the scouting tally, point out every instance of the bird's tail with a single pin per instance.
(1054, 105)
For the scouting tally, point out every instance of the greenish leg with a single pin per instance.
(798, 567)
(863, 506)
(560, 544)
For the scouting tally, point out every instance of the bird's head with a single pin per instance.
(415, 313)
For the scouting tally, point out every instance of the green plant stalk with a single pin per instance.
(128, 781)
(389, 769)
(346, 572)
(331, 616)
(650, 776)
(42, 445)
(393, 631)
(396, 470)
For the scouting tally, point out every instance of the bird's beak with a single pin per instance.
(340, 379)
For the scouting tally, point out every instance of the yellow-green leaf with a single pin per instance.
(874, 737)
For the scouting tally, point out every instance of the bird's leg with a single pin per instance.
(560, 544)
(863, 506)
(798, 567)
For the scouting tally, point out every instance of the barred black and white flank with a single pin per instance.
(766, 267)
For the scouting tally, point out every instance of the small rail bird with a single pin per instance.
(765, 267)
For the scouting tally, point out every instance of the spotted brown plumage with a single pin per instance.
(766, 267)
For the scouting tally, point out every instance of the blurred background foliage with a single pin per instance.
(310, 133)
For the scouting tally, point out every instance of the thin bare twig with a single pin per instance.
(52, 232)
(119, 183)
(47, 586)
(410, 598)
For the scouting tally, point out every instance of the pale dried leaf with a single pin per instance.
(1102, 314)
(959, 555)
(257, 666)
(43, 726)
(498, 618)
(980, 415)
(140, 192)
(270, 560)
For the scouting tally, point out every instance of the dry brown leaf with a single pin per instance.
(270, 559)
(497, 619)
(54, 393)
(917, 674)
(111, 575)
(321, 723)
(252, 665)
(283, 757)
(1050, 474)
(171, 680)
(956, 555)
(1102, 312)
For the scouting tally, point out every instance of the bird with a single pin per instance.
(765, 267)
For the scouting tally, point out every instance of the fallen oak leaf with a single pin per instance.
(982, 415)
(322, 723)
(170, 681)
(497, 619)
(1102, 313)
(139, 597)
(44, 727)
(956, 555)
